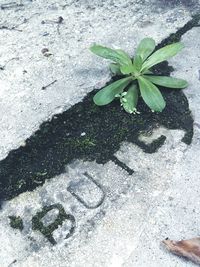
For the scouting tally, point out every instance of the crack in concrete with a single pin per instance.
(176, 37)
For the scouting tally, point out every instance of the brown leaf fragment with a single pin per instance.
(189, 249)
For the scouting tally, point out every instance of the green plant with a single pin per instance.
(138, 76)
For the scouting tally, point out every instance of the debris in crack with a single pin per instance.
(189, 249)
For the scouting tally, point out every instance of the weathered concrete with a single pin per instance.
(177, 209)
(120, 219)
(23, 103)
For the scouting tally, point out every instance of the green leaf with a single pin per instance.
(125, 56)
(115, 68)
(167, 81)
(151, 95)
(115, 55)
(147, 72)
(107, 94)
(162, 54)
(145, 48)
(127, 69)
(137, 62)
(129, 101)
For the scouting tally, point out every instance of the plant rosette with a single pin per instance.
(139, 79)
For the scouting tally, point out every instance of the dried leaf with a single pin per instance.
(189, 249)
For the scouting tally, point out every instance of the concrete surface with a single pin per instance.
(120, 219)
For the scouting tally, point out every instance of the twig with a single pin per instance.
(59, 21)
(11, 5)
(12, 263)
(45, 87)
(10, 28)
(14, 28)
(49, 21)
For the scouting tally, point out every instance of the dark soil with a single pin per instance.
(59, 141)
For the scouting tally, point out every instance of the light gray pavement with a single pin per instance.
(161, 199)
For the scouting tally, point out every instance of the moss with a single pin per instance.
(16, 222)
(47, 231)
(151, 148)
(121, 133)
(46, 154)
(81, 143)
(188, 137)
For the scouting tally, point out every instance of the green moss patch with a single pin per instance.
(16, 222)
(47, 231)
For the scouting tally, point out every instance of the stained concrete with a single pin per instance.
(120, 219)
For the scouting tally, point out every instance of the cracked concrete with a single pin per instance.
(161, 199)
(23, 103)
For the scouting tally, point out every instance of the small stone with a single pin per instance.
(45, 52)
